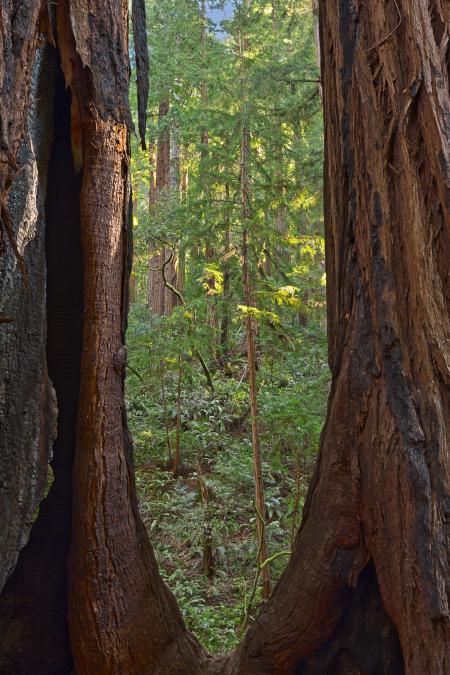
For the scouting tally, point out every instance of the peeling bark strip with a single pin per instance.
(27, 401)
(139, 21)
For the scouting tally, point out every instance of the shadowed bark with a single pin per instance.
(27, 401)
(34, 636)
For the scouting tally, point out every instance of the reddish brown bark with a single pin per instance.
(33, 606)
(136, 621)
(123, 630)
(380, 490)
(315, 11)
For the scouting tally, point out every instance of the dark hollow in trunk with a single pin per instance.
(365, 640)
(34, 637)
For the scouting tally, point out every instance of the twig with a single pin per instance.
(134, 372)
(392, 31)
(177, 294)
(242, 378)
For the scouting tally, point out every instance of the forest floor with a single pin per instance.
(202, 520)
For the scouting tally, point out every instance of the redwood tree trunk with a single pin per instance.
(122, 618)
(374, 543)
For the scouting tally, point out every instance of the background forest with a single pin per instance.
(227, 368)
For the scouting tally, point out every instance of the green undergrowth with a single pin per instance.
(215, 451)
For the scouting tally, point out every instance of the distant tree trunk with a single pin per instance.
(170, 299)
(133, 286)
(152, 262)
(206, 192)
(315, 11)
(157, 259)
(225, 324)
(184, 186)
(161, 298)
(280, 210)
(277, 150)
(257, 464)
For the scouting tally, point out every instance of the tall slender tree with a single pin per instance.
(250, 322)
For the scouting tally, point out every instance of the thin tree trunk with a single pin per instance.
(315, 11)
(184, 186)
(153, 260)
(165, 411)
(225, 325)
(177, 458)
(206, 193)
(170, 299)
(257, 464)
(132, 292)
(250, 325)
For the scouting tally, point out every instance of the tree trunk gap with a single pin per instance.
(366, 587)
